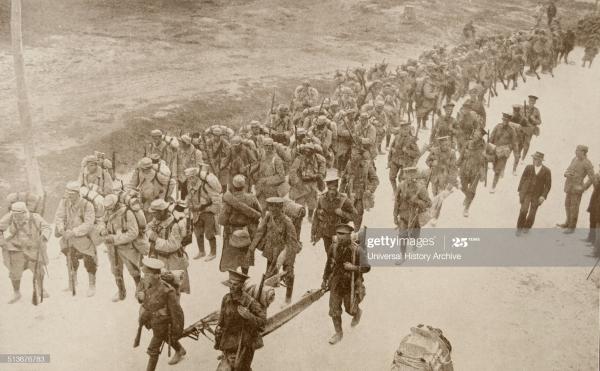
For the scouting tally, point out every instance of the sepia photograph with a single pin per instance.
(291, 185)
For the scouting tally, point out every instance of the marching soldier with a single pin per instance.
(333, 208)
(165, 235)
(163, 146)
(187, 156)
(241, 321)
(305, 95)
(95, 177)
(146, 181)
(241, 211)
(534, 119)
(281, 126)
(204, 201)
(74, 222)
(23, 237)
(276, 238)
(533, 191)
(324, 134)
(240, 159)
(403, 153)
(467, 122)
(344, 139)
(270, 174)
(442, 161)
(359, 182)
(471, 163)
(524, 132)
(159, 310)
(220, 152)
(381, 122)
(411, 200)
(364, 129)
(121, 229)
(578, 170)
(306, 177)
(504, 138)
(445, 126)
(347, 262)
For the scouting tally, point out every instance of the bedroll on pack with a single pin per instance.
(35, 203)
(163, 173)
(171, 141)
(98, 202)
(131, 199)
(425, 348)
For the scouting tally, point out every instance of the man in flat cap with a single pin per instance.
(165, 234)
(472, 161)
(504, 138)
(359, 181)
(442, 161)
(445, 125)
(347, 261)
(95, 177)
(120, 231)
(306, 178)
(241, 321)
(534, 187)
(187, 156)
(241, 211)
(160, 311)
(146, 180)
(204, 201)
(74, 221)
(404, 152)
(333, 208)
(23, 237)
(578, 170)
(276, 238)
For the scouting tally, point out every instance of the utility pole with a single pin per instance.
(31, 163)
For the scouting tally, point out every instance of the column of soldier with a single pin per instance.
(313, 158)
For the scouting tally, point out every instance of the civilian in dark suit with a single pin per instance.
(533, 190)
(594, 210)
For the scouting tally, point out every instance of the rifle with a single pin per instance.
(168, 185)
(34, 297)
(114, 164)
(238, 353)
(208, 155)
(145, 151)
(71, 271)
(138, 336)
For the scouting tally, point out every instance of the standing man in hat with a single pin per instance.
(359, 182)
(204, 201)
(306, 177)
(411, 200)
(347, 260)
(165, 235)
(446, 125)
(121, 229)
(276, 238)
(442, 161)
(187, 156)
(404, 152)
(333, 208)
(95, 177)
(241, 211)
(270, 174)
(471, 162)
(145, 180)
(504, 138)
(160, 311)
(74, 221)
(241, 321)
(534, 186)
(23, 237)
(578, 170)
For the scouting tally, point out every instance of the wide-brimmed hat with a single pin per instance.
(235, 276)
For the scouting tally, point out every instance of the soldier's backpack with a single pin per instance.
(131, 200)
(425, 348)
(35, 203)
(162, 173)
(179, 212)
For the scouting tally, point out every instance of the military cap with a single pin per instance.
(443, 138)
(582, 147)
(217, 131)
(448, 105)
(411, 69)
(191, 171)
(301, 131)
(155, 157)
(156, 133)
(331, 176)
(517, 106)
(73, 186)
(275, 201)
(144, 163)
(533, 97)
(186, 139)
(254, 124)
(322, 119)
(364, 115)
(410, 171)
(334, 103)
(158, 205)
(506, 116)
(365, 141)
(110, 201)
(236, 140)
(18, 207)
(238, 181)
(343, 229)
(268, 142)
(379, 103)
(539, 155)
(317, 147)
(306, 147)
(152, 264)
(235, 277)
(402, 73)
(240, 239)
(282, 108)
(89, 159)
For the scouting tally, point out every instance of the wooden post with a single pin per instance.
(31, 164)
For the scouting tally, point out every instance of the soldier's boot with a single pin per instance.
(40, 282)
(120, 295)
(152, 361)
(495, 182)
(92, 284)
(201, 252)
(515, 164)
(16, 291)
(177, 356)
(466, 212)
(213, 250)
(289, 290)
(339, 333)
(356, 318)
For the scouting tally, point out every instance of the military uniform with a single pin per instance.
(306, 175)
(163, 146)
(363, 129)
(324, 134)
(504, 138)
(99, 181)
(445, 127)
(187, 156)
(471, 163)
(577, 171)
(411, 199)
(148, 183)
(281, 127)
(270, 175)
(23, 244)
(442, 161)
(403, 153)
(359, 182)
(379, 119)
